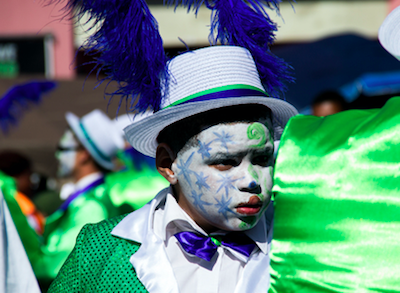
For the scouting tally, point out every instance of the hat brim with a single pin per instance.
(74, 123)
(142, 135)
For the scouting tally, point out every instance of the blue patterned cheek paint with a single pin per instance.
(219, 176)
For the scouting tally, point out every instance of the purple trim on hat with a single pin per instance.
(232, 93)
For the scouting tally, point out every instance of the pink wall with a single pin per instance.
(32, 18)
(393, 4)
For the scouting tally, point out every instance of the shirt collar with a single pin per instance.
(88, 179)
(173, 213)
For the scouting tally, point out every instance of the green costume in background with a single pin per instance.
(63, 226)
(137, 184)
(337, 200)
(29, 238)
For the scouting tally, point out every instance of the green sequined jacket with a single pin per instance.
(99, 263)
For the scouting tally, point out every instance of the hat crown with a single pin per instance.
(203, 80)
(98, 135)
(214, 69)
(389, 33)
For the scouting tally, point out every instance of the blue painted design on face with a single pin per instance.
(224, 138)
(226, 183)
(223, 205)
(203, 149)
(201, 181)
(184, 167)
(198, 202)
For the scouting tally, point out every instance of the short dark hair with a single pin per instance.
(13, 163)
(330, 96)
(179, 133)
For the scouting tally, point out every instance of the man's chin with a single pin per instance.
(239, 224)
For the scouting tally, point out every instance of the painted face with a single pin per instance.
(66, 154)
(227, 176)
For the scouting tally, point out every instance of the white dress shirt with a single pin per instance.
(193, 274)
(163, 267)
(70, 188)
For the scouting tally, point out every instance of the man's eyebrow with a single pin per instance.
(225, 156)
(268, 150)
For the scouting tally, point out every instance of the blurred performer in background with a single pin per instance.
(27, 234)
(18, 166)
(328, 103)
(138, 181)
(85, 153)
(16, 275)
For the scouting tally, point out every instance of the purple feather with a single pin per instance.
(130, 46)
(246, 24)
(19, 98)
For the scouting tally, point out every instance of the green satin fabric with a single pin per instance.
(130, 189)
(337, 203)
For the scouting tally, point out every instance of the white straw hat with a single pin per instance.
(98, 135)
(389, 33)
(202, 80)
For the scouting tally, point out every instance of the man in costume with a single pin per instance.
(85, 152)
(212, 126)
(219, 166)
(328, 103)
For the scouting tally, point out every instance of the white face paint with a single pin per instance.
(67, 155)
(227, 177)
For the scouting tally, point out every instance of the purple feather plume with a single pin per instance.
(130, 47)
(246, 24)
(19, 98)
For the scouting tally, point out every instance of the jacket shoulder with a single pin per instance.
(99, 262)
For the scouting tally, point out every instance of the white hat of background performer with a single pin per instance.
(389, 33)
(96, 132)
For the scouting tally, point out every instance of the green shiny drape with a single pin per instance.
(337, 200)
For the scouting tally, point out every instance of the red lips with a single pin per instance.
(251, 207)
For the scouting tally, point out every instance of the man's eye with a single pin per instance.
(263, 161)
(224, 165)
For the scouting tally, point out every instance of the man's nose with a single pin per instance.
(249, 184)
(252, 187)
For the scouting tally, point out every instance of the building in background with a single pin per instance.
(35, 43)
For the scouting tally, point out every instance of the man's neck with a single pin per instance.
(87, 180)
(84, 171)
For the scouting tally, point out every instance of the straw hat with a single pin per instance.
(98, 135)
(389, 33)
(202, 80)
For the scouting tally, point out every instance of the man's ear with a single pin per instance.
(164, 159)
(83, 156)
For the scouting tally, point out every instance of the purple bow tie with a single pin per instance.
(205, 247)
